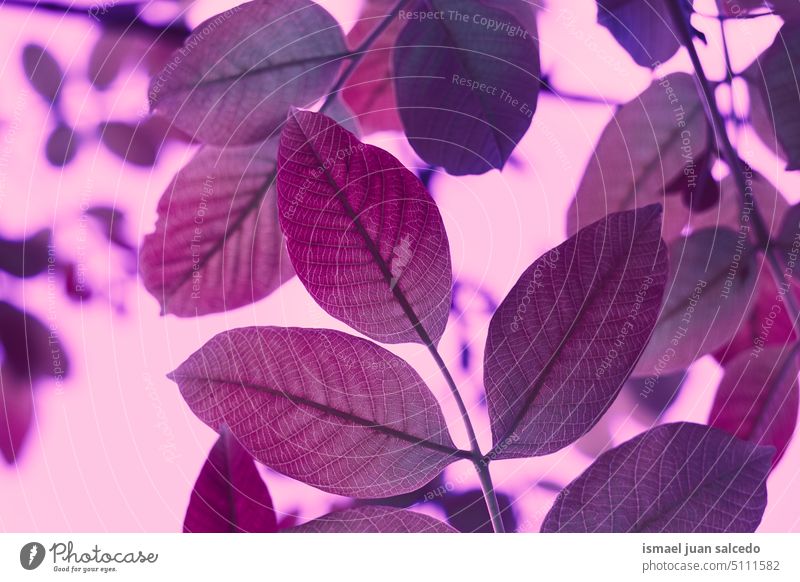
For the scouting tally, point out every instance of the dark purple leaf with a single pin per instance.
(777, 78)
(30, 349)
(43, 72)
(374, 519)
(757, 399)
(363, 234)
(62, 145)
(217, 244)
(641, 151)
(565, 339)
(467, 512)
(332, 410)
(112, 223)
(466, 91)
(644, 29)
(229, 495)
(133, 143)
(27, 257)
(678, 477)
(710, 291)
(237, 75)
(16, 413)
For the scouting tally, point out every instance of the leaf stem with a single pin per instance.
(360, 52)
(481, 463)
(762, 235)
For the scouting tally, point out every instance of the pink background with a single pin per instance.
(116, 449)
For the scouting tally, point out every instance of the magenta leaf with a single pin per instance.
(217, 244)
(757, 399)
(236, 76)
(329, 409)
(374, 519)
(711, 288)
(466, 91)
(679, 477)
(363, 234)
(29, 348)
(644, 29)
(568, 335)
(229, 495)
(16, 412)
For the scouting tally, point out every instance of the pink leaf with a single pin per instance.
(374, 519)
(229, 495)
(568, 335)
(757, 399)
(217, 245)
(363, 234)
(329, 409)
(236, 76)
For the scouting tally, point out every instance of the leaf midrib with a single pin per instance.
(347, 416)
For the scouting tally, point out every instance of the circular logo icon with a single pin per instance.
(31, 555)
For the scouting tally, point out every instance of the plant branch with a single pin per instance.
(762, 234)
(481, 464)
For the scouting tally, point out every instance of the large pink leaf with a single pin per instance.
(565, 339)
(217, 244)
(678, 477)
(229, 495)
(757, 399)
(236, 76)
(374, 519)
(363, 234)
(329, 409)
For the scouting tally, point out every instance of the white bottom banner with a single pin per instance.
(398, 557)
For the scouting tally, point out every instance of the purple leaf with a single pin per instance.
(711, 286)
(43, 72)
(62, 145)
(467, 512)
(644, 29)
(640, 152)
(237, 75)
(229, 495)
(363, 234)
(776, 72)
(16, 413)
(217, 245)
(565, 339)
(332, 410)
(374, 519)
(135, 144)
(27, 257)
(757, 399)
(678, 477)
(466, 91)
